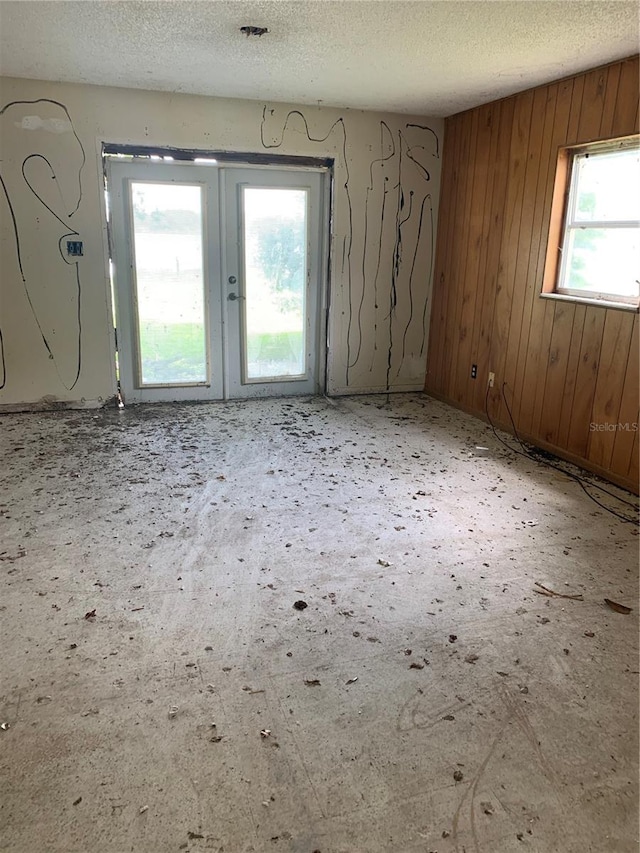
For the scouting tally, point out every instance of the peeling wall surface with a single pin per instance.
(56, 335)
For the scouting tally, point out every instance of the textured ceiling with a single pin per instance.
(431, 58)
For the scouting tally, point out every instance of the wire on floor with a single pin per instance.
(535, 457)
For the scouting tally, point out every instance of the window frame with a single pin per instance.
(563, 221)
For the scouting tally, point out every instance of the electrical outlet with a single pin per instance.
(492, 379)
(474, 371)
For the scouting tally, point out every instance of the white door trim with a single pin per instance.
(219, 257)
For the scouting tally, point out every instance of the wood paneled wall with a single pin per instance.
(565, 365)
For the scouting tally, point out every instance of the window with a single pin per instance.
(594, 240)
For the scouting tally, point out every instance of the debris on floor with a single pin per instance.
(344, 494)
(550, 593)
(619, 608)
(300, 605)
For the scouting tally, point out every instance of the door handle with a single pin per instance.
(233, 296)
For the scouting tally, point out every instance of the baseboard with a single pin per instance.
(376, 389)
(52, 404)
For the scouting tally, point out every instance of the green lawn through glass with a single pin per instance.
(170, 349)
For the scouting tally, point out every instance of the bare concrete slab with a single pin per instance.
(160, 691)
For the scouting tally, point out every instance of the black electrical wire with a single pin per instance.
(580, 480)
(538, 458)
(529, 455)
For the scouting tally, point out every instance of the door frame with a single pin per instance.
(153, 156)
(233, 180)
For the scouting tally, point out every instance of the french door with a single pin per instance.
(218, 280)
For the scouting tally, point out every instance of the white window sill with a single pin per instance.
(585, 300)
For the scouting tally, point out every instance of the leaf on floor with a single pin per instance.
(619, 608)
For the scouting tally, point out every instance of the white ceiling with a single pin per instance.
(430, 57)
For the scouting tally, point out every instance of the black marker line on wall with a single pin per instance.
(22, 276)
(78, 318)
(15, 227)
(404, 146)
(385, 193)
(395, 269)
(409, 206)
(73, 130)
(53, 176)
(3, 364)
(411, 281)
(431, 131)
(426, 175)
(380, 160)
(348, 243)
(429, 284)
(399, 245)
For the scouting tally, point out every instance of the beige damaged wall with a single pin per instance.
(56, 335)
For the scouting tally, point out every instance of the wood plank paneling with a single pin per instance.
(483, 236)
(564, 316)
(448, 272)
(465, 168)
(592, 107)
(485, 311)
(475, 242)
(625, 114)
(514, 204)
(566, 121)
(586, 378)
(555, 123)
(561, 438)
(629, 413)
(543, 101)
(607, 397)
(565, 365)
(635, 457)
(610, 98)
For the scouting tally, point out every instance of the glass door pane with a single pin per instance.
(275, 274)
(169, 277)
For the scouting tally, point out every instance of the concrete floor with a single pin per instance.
(191, 530)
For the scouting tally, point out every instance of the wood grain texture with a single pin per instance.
(564, 366)
(629, 415)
